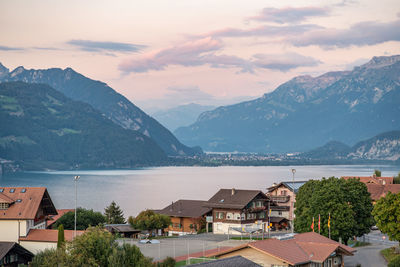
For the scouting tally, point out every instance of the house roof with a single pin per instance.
(288, 184)
(377, 190)
(233, 198)
(185, 208)
(49, 235)
(26, 202)
(54, 218)
(6, 247)
(237, 261)
(371, 179)
(302, 248)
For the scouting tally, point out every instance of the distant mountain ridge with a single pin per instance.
(385, 146)
(306, 112)
(46, 130)
(103, 98)
(179, 116)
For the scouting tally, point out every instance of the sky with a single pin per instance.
(161, 54)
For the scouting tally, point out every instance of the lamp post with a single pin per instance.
(293, 172)
(76, 178)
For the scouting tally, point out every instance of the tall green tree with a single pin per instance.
(61, 239)
(84, 219)
(387, 215)
(396, 179)
(378, 173)
(149, 220)
(347, 201)
(114, 214)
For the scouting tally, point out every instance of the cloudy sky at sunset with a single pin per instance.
(165, 53)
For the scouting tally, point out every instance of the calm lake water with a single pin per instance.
(155, 188)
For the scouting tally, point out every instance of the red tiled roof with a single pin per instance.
(302, 248)
(49, 235)
(371, 179)
(54, 218)
(26, 202)
(377, 191)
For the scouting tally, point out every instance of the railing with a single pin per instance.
(280, 199)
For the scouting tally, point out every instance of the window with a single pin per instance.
(259, 204)
(280, 213)
(3, 206)
(261, 215)
(18, 200)
(1, 190)
(229, 216)
(23, 190)
(283, 192)
(243, 217)
(237, 216)
(12, 190)
(219, 215)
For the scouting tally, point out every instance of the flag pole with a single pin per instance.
(319, 223)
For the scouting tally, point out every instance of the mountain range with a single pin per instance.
(106, 100)
(385, 146)
(42, 129)
(306, 112)
(179, 116)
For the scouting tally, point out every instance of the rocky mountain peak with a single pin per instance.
(379, 62)
(3, 71)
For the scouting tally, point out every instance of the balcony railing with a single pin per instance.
(280, 199)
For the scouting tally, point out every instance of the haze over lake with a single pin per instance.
(154, 188)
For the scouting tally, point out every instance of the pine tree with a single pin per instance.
(114, 214)
(61, 239)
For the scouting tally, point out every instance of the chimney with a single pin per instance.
(233, 191)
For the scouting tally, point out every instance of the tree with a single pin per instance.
(61, 239)
(387, 215)
(396, 179)
(149, 220)
(347, 201)
(378, 173)
(84, 219)
(96, 247)
(114, 214)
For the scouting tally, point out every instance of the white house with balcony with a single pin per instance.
(23, 209)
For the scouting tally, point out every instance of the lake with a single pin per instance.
(155, 188)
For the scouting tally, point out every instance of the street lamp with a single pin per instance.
(76, 178)
(293, 172)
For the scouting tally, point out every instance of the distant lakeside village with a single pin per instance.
(291, 223)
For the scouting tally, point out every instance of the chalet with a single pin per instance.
(23, 209)
(306, 249)
(284, 196)
(235, 211)
(12, 254)
(187, 216)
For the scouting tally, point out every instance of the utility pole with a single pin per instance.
(76, 178)
(293, 172)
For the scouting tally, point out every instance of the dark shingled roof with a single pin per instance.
(237, 261)
(185, 208)
(121, 228)
(238, 200)
(5, 247)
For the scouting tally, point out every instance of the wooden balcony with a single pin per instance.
(280, 199)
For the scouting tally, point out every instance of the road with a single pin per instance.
(369, 256)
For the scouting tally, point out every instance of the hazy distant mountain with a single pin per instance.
(385, 146)
(179, 116)
(41, 128)
(103, 98)
(306, 112)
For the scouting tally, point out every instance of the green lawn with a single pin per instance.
(389, 253)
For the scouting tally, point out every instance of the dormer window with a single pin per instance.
(18, 200)
(1, 190)
(12, 190)
(3, 206)
(23, 190)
